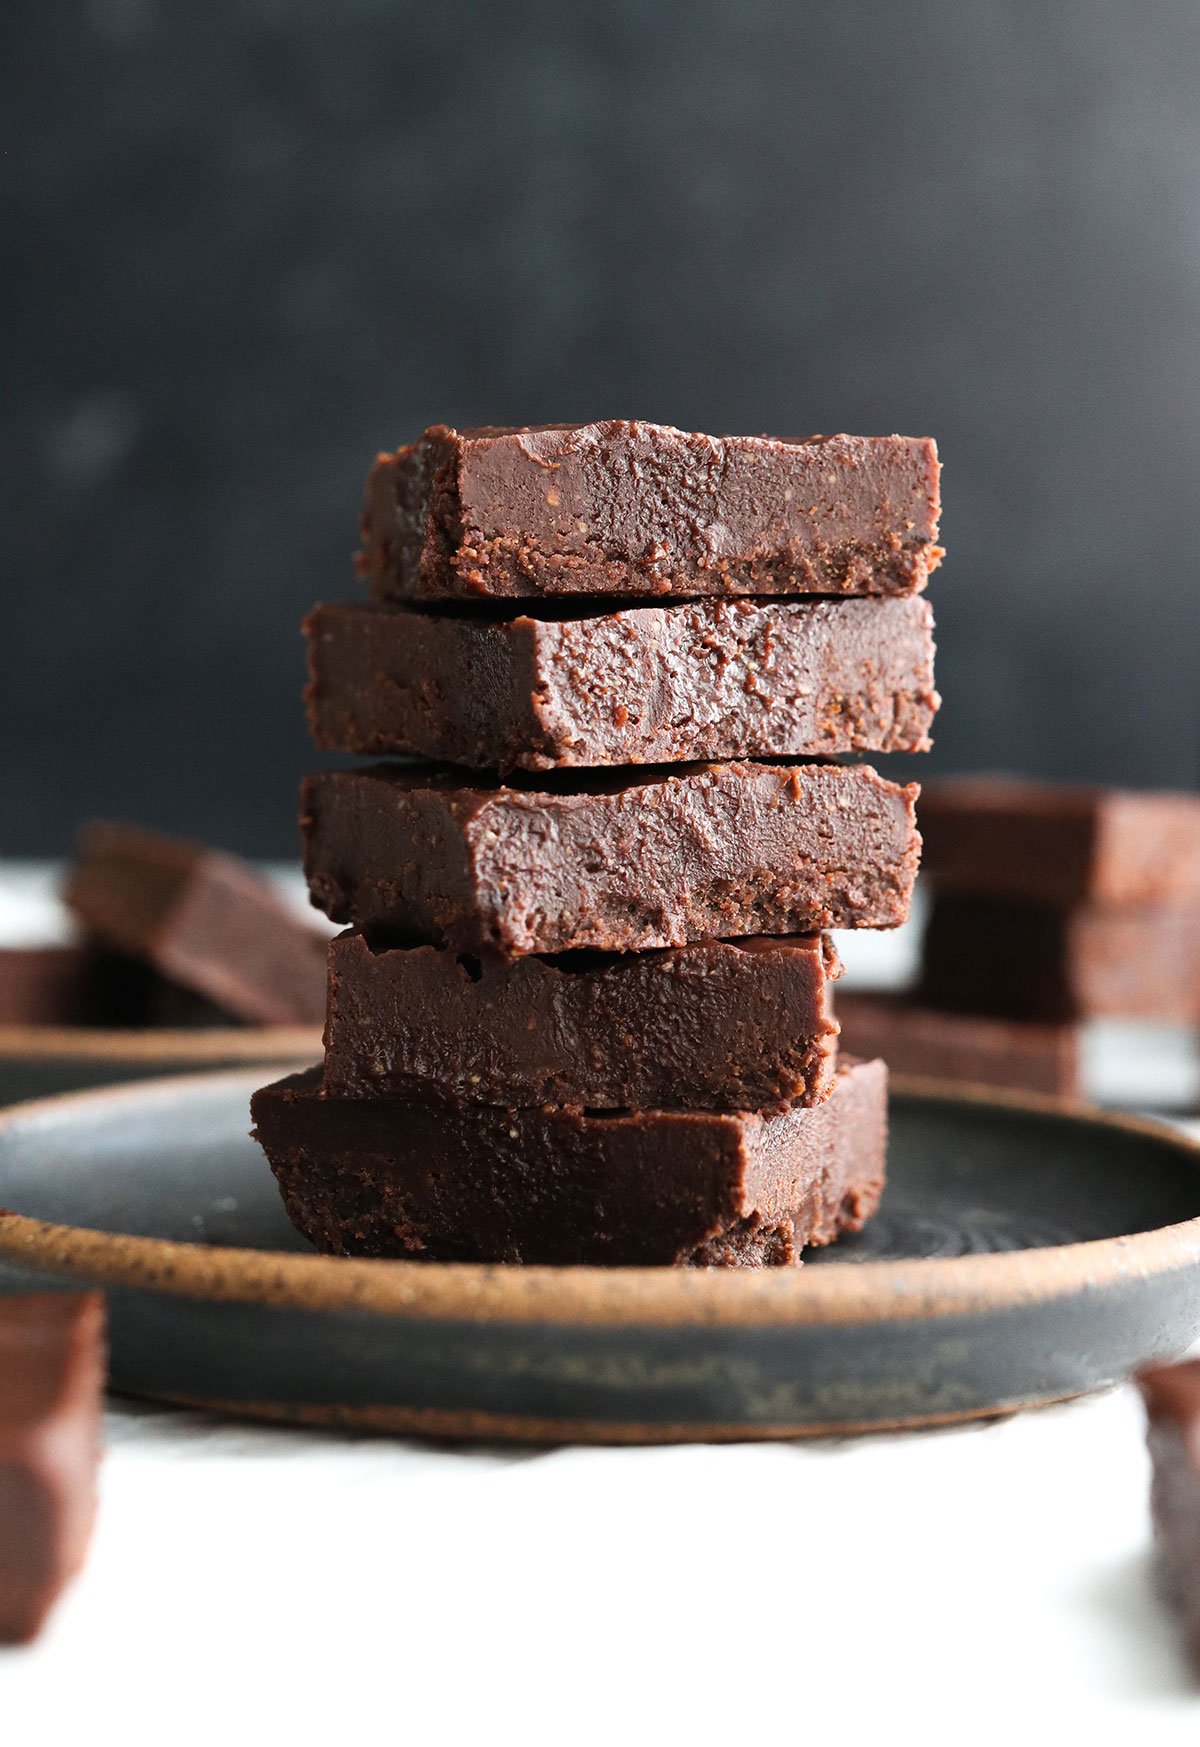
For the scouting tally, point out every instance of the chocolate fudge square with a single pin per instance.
(734, 1025)
(623, 507)
(51, 985)
(620, 863)
(206, 921)
(445, 1180)
(1041, 961)
(86, 985)
(912, 1039)
(51, 1393)
(1172, 1397)
(650, 685)
(1009, 837)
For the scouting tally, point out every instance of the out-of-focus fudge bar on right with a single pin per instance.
(617, 863)
(719, 1024)
(1007, 837)
(1172, 1397)
(1038, 961)
(918, 1040)
(622, 507)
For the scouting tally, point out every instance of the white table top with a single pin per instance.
(250, 1583)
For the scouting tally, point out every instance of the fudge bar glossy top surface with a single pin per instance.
(625, 507)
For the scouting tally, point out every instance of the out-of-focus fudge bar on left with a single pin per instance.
(962, 1047)
(86, 985)
(52, 985)
(1172, 1397)
(1040, 961)
(51, 1393)
(1045, 843)
(205, 920)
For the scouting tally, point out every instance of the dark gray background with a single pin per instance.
(245, 245)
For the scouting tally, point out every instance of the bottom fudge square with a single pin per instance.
(51, 1392)
(451, 1181)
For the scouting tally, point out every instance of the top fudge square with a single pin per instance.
(626, 508)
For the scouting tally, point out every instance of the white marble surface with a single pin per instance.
(341, 1589)
(251, 1584)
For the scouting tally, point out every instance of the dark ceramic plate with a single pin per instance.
(1023, 1253)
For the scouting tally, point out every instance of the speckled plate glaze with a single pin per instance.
(1023, 1253)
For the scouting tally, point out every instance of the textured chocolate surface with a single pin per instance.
(454, 1181)
(619, 864)
(959, 1046)
(1038, 961)
(1012, 838)
(51, 1392)
(629, 508)
(699, 679)
(1172, 1397)
(206, 921)
(733, 1025)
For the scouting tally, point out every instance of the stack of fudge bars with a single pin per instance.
(583, 1014)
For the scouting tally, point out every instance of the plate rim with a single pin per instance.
(862, 1292)
(185, 1044)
